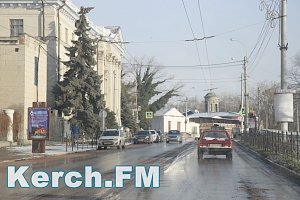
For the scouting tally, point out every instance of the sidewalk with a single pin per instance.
(10, 154)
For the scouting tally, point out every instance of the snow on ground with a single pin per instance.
(55, 149)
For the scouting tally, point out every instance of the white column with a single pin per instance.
(10, 114)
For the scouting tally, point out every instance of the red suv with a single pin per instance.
(215, 142)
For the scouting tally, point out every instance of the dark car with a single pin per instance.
(215, 142)
(174, 136)
(144, 136)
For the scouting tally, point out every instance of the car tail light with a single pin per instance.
(202, 142)
(228, 143)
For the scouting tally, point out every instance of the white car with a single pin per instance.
(111, 138)
(155, 136)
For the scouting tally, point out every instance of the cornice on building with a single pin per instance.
(71, 11)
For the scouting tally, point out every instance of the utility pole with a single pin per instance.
(242, 104)
(297, 117)
(245, 84)
(283, 49)
(258, 108)
(58, 40)
(245, 95)
(185, 122)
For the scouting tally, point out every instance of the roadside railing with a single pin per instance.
(76, 142)
(282, 144)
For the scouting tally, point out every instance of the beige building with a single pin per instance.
(23, 76)
(53, 22)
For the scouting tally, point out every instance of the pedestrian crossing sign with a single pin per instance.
(149, 115)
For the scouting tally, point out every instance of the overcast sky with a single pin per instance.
(144, 22)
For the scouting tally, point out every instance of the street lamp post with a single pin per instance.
(185, 121)
(245, 95)
(245, 61)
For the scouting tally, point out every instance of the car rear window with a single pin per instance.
(143, 133)
(110, 133)
(217, 135)
(174, 132)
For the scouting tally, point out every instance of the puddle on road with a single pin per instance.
(254, 192)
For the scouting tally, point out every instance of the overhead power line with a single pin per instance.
(214, 65)
(191, 28)
(206, 49)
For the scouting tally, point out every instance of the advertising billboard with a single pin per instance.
(38, 123)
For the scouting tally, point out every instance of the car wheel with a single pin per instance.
(229, 156)
(200, 155)
(105, 147)
(167, 141)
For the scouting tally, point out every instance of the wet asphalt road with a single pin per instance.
(182, 175)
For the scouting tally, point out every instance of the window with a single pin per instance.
(16, 27)
(178, 125)
(215, 135)
(169, 125)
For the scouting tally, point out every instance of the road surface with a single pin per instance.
(183, 176)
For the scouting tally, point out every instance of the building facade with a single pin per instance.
(211, 102)
(23, 76)
(168, 119)
(53, 21)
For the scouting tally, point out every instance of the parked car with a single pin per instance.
(155, 136)
(160, 135)
(111, 138)
(215, 142)
(174, 136)
(143, 136)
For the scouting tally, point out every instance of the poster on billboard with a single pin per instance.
(38, 123)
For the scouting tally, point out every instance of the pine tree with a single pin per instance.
(126, 112)
(147, 88)
(110, 120)
(78, 95)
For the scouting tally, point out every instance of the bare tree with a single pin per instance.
(229, 102)
(265, 99)
(294, 73)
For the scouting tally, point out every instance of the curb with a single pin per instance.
(32, 157)
(269, 161)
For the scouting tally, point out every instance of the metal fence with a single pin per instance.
(284, 144)
(80, 142)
